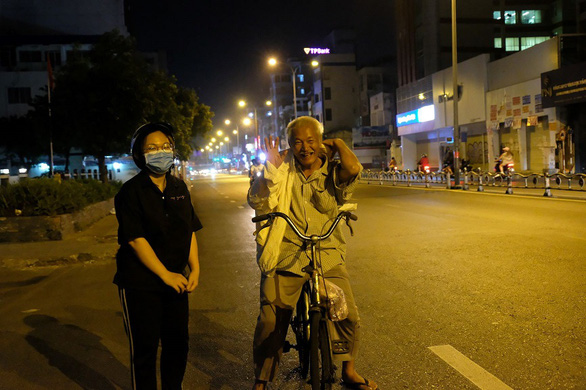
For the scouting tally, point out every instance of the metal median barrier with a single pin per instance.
(509, 180)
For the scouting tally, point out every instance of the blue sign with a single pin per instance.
(423, 114)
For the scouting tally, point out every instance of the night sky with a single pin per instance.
(220, 48)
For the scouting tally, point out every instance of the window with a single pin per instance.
(19, 95)
(531, 16)
(301, 78)
(327, 93)
(512, 44)
(302, 91)
(30, 56)
(316, 98)
(7, 56)
(498, 43)
(55, 57)
(510, 17)
(496, 15)
(527, 42)
(328, 114)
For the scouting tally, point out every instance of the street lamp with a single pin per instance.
(219, 133)
(273, 62)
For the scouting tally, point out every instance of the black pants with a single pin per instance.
(150, 316)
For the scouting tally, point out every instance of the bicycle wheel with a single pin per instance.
(321, 368)
(301, 329)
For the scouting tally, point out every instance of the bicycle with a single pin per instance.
(310, 320)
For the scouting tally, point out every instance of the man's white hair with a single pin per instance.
(304, 121)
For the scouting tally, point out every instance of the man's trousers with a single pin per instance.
(278, 298)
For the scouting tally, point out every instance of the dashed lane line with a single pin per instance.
(472, 371)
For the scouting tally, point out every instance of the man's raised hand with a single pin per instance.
(271, 149)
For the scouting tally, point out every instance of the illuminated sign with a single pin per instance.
(424, 114)
(316, 50)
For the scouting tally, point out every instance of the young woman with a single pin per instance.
(156, 233)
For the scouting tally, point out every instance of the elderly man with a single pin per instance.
(308, 185)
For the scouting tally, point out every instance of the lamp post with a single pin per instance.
(455, 99)
(273, 62)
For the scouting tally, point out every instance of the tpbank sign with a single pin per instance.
(316, 50)
(423, 114)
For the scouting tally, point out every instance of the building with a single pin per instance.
(494, 27)
(500, 97)
(33, 33)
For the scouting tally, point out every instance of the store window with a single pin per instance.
(19, 95)
(498, 43)
(531, 16)
(512, 44)
(510, 17)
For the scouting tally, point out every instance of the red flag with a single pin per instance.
(50, 73)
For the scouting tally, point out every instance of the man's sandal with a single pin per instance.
(366, 385)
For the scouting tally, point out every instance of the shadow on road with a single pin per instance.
(77, 353)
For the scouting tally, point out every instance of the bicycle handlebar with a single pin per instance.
(272, 216)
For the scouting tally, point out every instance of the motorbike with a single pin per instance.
(510, 167)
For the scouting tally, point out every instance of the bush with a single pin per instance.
(51, 197)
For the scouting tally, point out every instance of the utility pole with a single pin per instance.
(455, 98)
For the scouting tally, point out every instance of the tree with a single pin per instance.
(100, 99)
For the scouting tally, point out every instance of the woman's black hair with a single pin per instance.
(136, 144)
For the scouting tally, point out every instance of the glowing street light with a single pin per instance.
(213, 140)
(268, 103)
(219, 133)
(241, 103)
(226, 139)
(235, 132)
(227, 122)
(273, 62)
(246, 121)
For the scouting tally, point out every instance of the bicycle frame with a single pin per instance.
(326, 378)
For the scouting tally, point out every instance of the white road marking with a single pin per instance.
(240, 207)
(472, 371)
(226, 197)
(232, 201)
(29, 311)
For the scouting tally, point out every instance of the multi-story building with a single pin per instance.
(335, 95)
(495, 27)
(499, 92)
(34, 33)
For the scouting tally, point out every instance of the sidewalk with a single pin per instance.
(98, 242)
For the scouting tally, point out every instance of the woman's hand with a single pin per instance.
(271, 149)
(192, 282)
(176, 281)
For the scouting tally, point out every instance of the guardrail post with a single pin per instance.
(448, 180)
(509, 190)
(427, 180)
(547, 186)
(480, 186)
(394, 178)
(466, 186)
(408, 178)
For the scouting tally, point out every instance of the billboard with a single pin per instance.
(564, 86)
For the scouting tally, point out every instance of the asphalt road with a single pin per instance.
(456, 290)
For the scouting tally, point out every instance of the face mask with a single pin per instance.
(159, 162)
